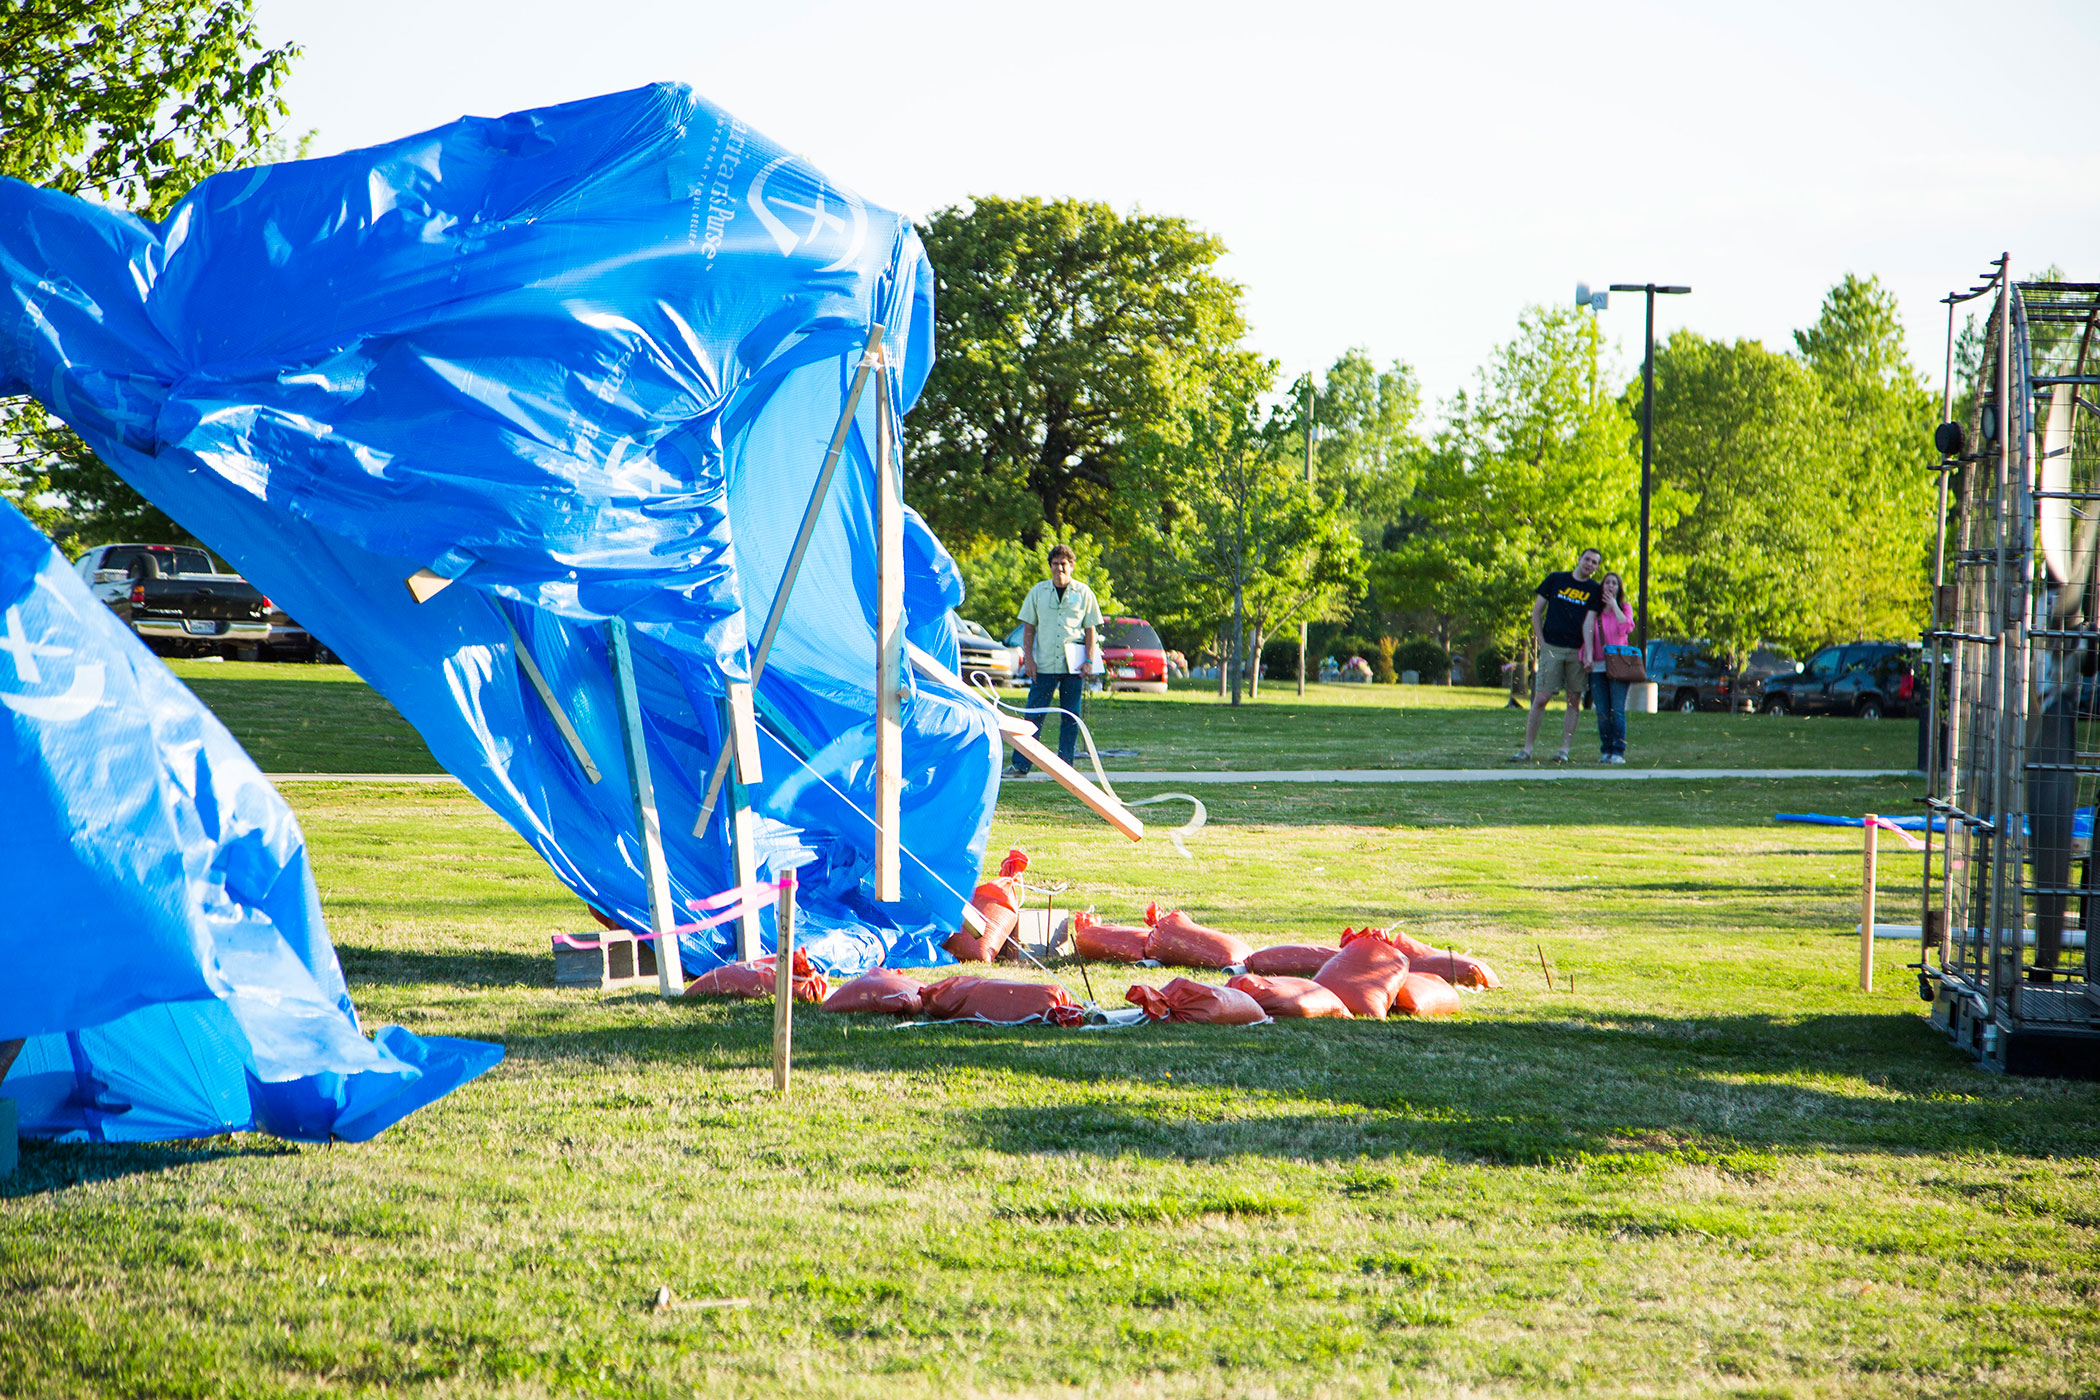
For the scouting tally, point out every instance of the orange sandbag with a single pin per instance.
(1366, 974)
(1101, 942)
(1399, 938)
(1177, 940)
(1421, 994)
(954, 998)
(879, 989)
(1286, 997)
(1198, 1003)
(1289, 960)
(755, 979)
(1456, 969)
(999, 900)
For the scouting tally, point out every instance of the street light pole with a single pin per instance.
(1647, 431)
(1312, 399)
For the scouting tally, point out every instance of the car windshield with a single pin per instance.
(972, 631)
(1824, 663)
(1129, 632)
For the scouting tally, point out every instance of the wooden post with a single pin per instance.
(870, 356)
(538, 681)
(740, 737)
(670, 977)
(889, 650)
(784, 985)
(1866, 905)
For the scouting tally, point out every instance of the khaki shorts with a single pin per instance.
(1561, 668)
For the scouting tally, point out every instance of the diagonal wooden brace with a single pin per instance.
(1105, 807)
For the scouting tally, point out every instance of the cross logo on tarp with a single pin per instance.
(83, 695)
(821, 221)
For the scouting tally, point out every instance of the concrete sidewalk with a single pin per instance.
(1513, 774)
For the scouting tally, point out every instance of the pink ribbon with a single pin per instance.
(737, 900)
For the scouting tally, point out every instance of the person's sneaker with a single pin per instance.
(1521, 756)
(1561, 757)
(1618, 758)
(1604, 758)
(1013, 770)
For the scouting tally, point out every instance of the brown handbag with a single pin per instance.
(1624, 664)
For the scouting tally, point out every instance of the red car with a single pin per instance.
(1132, 656)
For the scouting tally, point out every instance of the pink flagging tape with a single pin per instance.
(737, 899)
(1909, 840)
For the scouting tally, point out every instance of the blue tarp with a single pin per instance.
(163, 948)
(584, 361)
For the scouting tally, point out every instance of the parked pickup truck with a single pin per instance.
(179, 603)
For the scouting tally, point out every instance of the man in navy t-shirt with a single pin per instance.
(1562, 614)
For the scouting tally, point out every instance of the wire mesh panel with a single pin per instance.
(2017, 656)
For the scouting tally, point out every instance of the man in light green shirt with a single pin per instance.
(1060, 645)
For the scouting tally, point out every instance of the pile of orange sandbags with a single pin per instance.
(1455, 968)
(882, 990)
(1290, 997)
(999, 900)
(755, 979)
(1198, 1003)
(1008, 1003)
(1177, 940)
(1099, 942)
(1290, 959)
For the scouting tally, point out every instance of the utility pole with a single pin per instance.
(1647, 431)
(1312, 400)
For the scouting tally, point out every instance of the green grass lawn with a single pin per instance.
(323, 719)
(1712, 1166)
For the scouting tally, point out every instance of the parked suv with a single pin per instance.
(1692, 676)
(1867, 679)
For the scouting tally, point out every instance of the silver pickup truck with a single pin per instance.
(177, 600)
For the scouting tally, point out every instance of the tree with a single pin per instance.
(997, 575)
(129, 102)
(1531, 467)
(1252, 529)
(1879, 424)
(1073, 340)
(1369, 441)
(1741, 443)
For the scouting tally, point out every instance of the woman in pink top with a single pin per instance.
(1610, 626)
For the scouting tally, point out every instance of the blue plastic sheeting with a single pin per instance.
(163, 949)
(1818, 819)
(585, 361)
(2081, 822)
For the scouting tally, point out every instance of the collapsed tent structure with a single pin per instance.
(167, 970)
(604, 384)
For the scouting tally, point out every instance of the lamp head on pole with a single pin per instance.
(1585, 297)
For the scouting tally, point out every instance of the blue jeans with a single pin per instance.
(1608, 699)
(1066, 689)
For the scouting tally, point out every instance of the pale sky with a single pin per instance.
(1401, 176)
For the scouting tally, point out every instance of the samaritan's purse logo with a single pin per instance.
(72, 703)
(822, 221)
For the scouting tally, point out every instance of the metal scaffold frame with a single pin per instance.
(2012, 904)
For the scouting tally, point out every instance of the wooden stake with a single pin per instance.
(784, 985)
(670, 978)
(1542, 965)
(889, 651)
(1866, 905)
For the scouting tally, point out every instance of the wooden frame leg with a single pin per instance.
(670, 975)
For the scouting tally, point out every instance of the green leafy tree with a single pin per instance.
(1368, 442)
(1879, 424)
(997, 575)
(1251, 529)
(128, 102)
(1531, 467)
(1741, 442)
(1073, 342)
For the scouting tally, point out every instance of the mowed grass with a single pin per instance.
(323, 719)
(1712, 1166)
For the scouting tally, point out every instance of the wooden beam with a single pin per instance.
(742, 823)
(538, 681)
(670, 978)
(889, 650)
(870, 356)
(740, 728)
(784, 987)
(1104, 806)
(423, 585)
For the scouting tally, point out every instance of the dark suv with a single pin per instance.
(1692, 676)
(1867, 679)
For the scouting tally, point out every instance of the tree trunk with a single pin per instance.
(1239, 641)
(1254, 675)
(1224, 665)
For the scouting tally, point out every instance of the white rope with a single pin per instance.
(982, 683)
